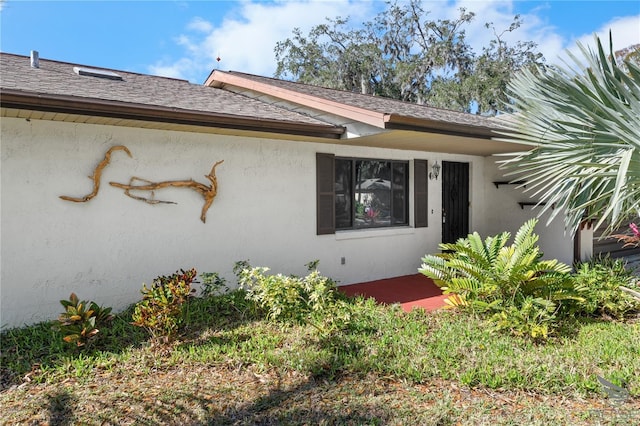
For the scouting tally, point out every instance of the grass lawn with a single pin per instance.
(231, 367)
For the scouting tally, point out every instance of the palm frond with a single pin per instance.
(584, 120)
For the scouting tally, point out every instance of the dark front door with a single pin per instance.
(455, 201)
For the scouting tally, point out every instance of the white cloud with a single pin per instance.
(181, 68)
(199, 24)
(245, 39)
(625, 32)
(247, 44)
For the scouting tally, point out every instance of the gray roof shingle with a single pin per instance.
(376, 103)
(59, 78)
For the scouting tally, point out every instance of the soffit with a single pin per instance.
(393, 139)
(433, 142)
(30, 114)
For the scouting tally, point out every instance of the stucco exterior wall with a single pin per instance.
(265, 211)
(504, 214)
(103, 250)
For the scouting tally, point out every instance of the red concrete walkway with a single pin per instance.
(410, 291)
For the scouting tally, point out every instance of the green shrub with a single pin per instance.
(599, 283)
(81, 321)
(161, 310)
(311, 299)
(213, 284)
(510, 285)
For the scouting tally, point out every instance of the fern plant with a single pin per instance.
(510, 283)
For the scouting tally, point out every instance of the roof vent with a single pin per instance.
(35, 59)
(92, 72)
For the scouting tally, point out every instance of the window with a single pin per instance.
(355, 193)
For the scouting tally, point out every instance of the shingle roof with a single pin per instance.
(59, 78)
(376, 103)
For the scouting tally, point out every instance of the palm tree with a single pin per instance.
(583, 123)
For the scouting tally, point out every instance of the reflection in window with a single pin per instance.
(371, 193)
(343, 191)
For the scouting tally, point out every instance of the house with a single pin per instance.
(363, 184)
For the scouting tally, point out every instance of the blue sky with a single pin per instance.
(183, 38)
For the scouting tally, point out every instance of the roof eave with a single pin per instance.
(219, 79)
(400, 122)
(11, 98)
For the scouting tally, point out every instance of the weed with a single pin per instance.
(599, 283)
(213, 284)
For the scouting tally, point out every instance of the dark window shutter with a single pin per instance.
(420, 193)
(325, 193)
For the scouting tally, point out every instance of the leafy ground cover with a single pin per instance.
(230, 366)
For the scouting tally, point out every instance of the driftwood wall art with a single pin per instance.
(208, 192)
(97, 173)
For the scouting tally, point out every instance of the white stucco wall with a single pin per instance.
(106, 248)
(265, 211)
(504, 214)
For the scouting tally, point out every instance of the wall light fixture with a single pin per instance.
(435, 171)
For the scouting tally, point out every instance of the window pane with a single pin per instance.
(400, 185)
(372, 193)
(343, 193)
